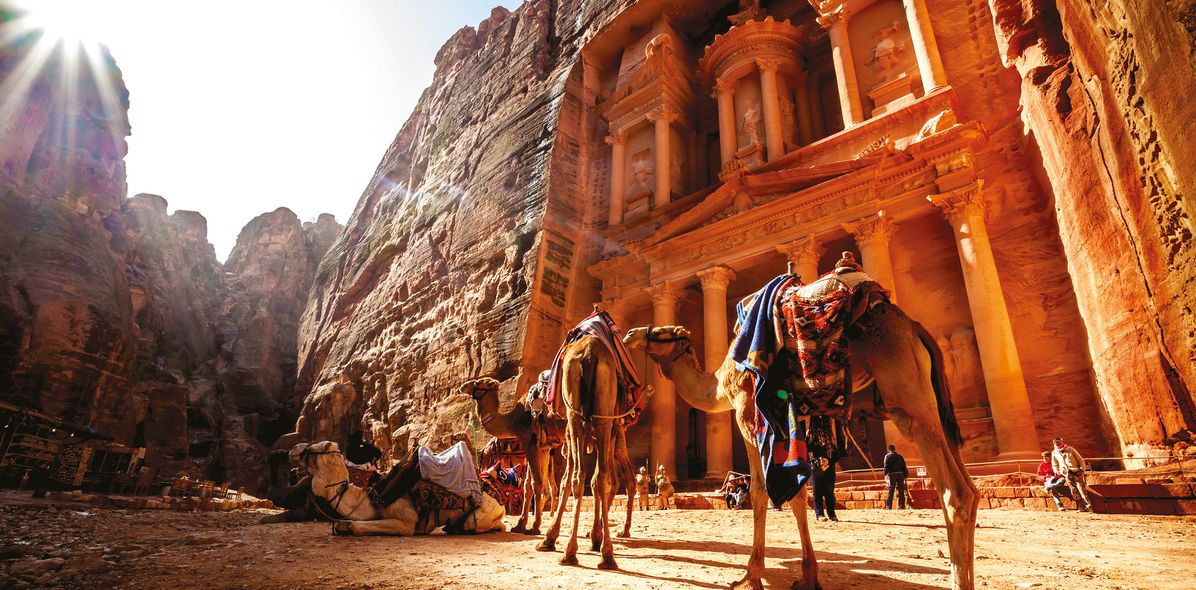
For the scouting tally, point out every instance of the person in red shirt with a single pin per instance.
(1053, 482)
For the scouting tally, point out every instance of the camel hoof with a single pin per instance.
(748, 584)
(519, 529)
(801, 585)
(596, 545)
(546, 545)
(535, 531)
(342, 528)
(608, 563)
(568, 560)
(624, 535)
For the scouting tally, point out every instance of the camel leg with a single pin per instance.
(576, 450)
(386, 526)
(537, 478)
(626, 474)
(530, 481)
(605, 475)
(809, 566)
(755, 566)
(903, 369)
(554, 527)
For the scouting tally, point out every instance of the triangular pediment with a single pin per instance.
(739, 194)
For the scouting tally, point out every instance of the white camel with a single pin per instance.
(330, 480)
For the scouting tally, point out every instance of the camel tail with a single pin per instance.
(938, 379)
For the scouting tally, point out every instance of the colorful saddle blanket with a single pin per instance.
(505, 485)
(791, 339)
(600, 325)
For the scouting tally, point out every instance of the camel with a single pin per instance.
(590, 392)
(296, 499)
(907, 366)
(517, 423)
(330, 481)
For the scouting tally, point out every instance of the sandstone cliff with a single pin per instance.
(118, 315)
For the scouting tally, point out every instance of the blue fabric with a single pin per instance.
(779, 437)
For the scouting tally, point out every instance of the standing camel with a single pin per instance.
(517, 423)
(330, 481)
(590, 394)
(907, 366)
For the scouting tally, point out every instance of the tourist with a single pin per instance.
(895, 474)
(1067, 462)
(643, 483)
(735, 492)
(664, 487)
(1053, 482)
(823, 482)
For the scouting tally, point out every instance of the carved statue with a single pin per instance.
(676, 177)
(788, 123)
(749, 129)
(643, 172)
(887, 53)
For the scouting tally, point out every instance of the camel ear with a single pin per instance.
(682, 332)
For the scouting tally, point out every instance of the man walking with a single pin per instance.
(895, 474)
(1067, 462)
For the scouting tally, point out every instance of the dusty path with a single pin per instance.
(85, 546)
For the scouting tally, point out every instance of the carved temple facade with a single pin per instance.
(702, 148)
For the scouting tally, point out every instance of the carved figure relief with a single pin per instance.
(788, 123)
(676, 174)
(643, 172)
(749, 128)
(888, 51)
(749, 10)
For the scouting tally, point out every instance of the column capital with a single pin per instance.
(664, 113)
(724, 86)
(803, 251)
(872, 229)
(831, 13)
(959, 205)
(768, 64)
(664, 293)
(716, 278)
(616, 138)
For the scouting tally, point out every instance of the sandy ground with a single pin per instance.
(84, 546)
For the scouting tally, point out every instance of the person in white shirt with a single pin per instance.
(1067, 462)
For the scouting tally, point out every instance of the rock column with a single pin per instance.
(617, 176)
(926, 49)
(849, 92)
(663, 150)
(1013, 418)
(724, 92)
(804, 255)
(773, 138)
(664, 403)
(716, 335)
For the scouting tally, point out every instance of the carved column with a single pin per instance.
(618, 180)
(926, 49)
(662, 119)
(714, 314)
(1008, 398)
(724, 92)
(849, 92)
(805, 122)
(872, 235)
(804, 254)
(664, 403)
(774, 139)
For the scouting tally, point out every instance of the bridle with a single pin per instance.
(682, 351)
(340, 493)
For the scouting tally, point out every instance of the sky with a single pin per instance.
(241, 107)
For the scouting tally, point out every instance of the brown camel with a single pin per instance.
(518, 423)
(907, 366)
(590, 394)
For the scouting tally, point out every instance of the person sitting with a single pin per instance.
(643, 484)
(664, 487)
(735, 492)
(1053, 482)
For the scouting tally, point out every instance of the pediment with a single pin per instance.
(743, 193)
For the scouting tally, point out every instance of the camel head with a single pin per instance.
(317, 456)
(662, 343)
(479, 388)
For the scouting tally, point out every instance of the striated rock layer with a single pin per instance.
(118, 315)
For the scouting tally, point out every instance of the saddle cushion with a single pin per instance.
(632, 391)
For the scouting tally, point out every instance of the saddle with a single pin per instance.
(398, 482)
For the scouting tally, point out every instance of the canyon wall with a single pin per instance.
(1106, 93)
(117, 315)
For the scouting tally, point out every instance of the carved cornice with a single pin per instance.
(874, 229)
(803, 251)
(716, 278)
(664, 293)
(616, 138)
(664, 113)
(961, 205)
(768, 64)
(740, 46)
(725, 86)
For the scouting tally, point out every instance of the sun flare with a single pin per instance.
(70, 21)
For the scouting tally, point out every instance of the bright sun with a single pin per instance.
(73, 21)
